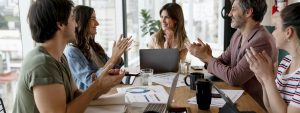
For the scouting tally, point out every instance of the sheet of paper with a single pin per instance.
(234, 95)
(166, 79)
(106, 109)
(144, 94)
(114, 99)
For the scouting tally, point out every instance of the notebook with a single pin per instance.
(160, 60)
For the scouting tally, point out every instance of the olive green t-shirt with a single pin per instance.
(39, 68)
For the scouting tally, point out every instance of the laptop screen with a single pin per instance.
(160, 60)
(172, 90)
(229, 107)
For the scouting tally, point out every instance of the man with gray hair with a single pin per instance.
(232, 66)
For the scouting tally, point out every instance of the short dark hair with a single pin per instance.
(44, 15)
(259, 8)
(291, 17)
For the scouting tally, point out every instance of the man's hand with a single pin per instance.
(200, 50)
(108, 79)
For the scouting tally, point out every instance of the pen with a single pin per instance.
(156, 97)
(146, 98)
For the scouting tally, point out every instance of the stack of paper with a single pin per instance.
(114, 99)
(106, 109)
(108, 104)
(144, 94)
(220, 102)
(166, 79)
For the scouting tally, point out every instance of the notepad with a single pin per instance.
(234, 95)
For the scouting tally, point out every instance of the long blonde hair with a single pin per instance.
(175, 12)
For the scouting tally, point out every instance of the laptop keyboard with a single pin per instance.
(155, 107)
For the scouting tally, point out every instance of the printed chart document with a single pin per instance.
(166, 79)
(144, 94)
(114, 103)
(234, 95)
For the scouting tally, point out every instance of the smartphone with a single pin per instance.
(129, 78)
(214, 95)
(197, 67)
(177, 110)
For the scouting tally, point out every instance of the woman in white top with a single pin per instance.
(281, 93)
(172, 33)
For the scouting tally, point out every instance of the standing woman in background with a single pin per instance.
(281, 94)
(86, 58)
(172, 33)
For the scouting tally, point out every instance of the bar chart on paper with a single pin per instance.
(144, 94)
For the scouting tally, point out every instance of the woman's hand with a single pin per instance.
(169, 36)
(120, 47)
(261, 64)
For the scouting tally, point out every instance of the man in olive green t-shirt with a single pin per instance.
(45, 84)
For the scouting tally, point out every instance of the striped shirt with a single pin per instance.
(288, 84)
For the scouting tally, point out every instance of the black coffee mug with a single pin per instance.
(203, 93)
(193, 78)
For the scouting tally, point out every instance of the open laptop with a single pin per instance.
(229, 106)
(163, 108)
(157, 107)
(160, 60)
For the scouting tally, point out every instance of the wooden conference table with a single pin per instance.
(182, 94)
(244, 103)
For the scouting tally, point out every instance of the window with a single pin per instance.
(203, 20)
(10, 49)
(200, 21)
(134, 23)
(108, 25)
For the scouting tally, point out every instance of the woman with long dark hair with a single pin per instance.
(172, 33)
(86, 57)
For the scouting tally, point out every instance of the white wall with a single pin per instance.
(27, 42)
(266, 21)
(293, 1)
(268, 15)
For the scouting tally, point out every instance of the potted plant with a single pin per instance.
(149, 25)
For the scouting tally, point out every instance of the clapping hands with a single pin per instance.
(120, 47)
(109, 78)
(200, 50)
(261, 64)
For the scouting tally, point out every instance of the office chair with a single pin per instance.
(2, 108)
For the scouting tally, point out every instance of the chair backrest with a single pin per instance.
(2, 108)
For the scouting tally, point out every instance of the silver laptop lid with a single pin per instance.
(160, 60)
(172, 90)
(226, 98)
